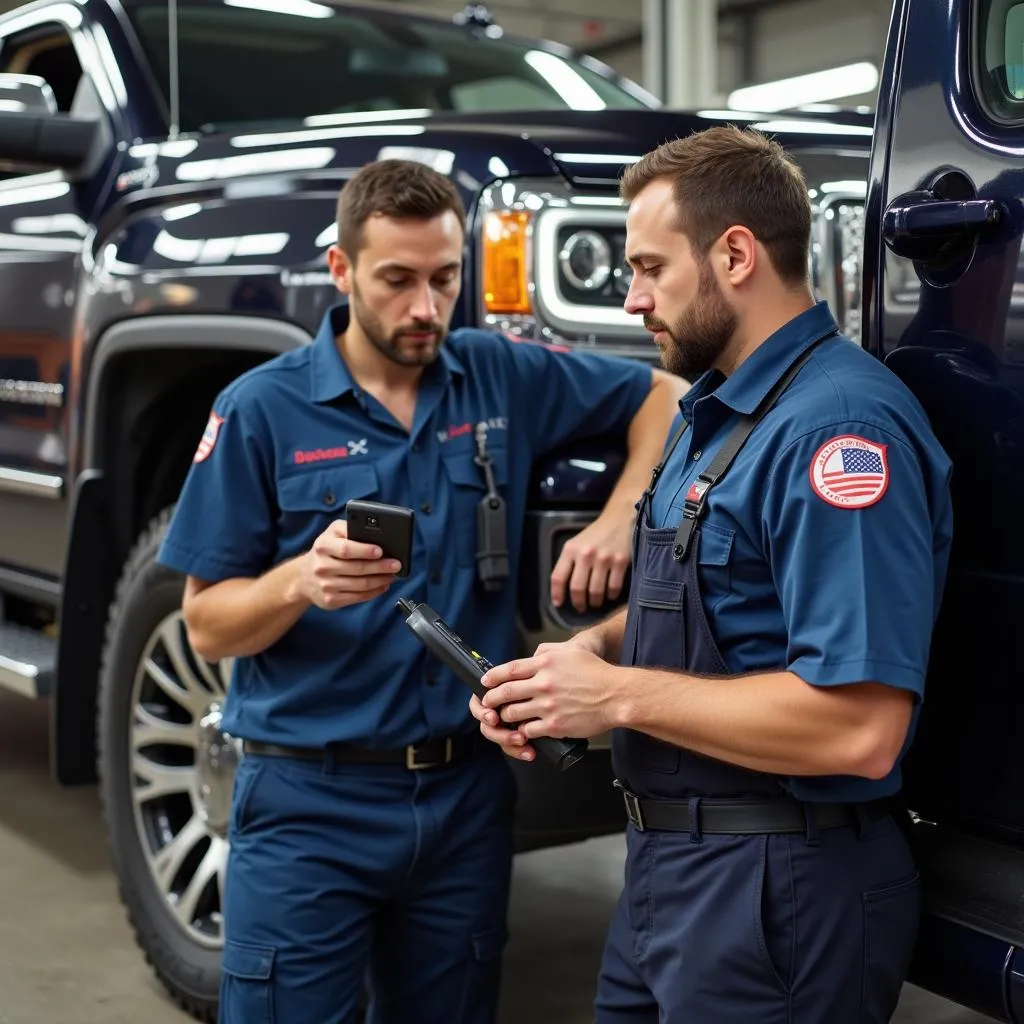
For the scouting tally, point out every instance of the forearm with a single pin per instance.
(605, 637)
(773, 722)
(646, 437)
(241, 617)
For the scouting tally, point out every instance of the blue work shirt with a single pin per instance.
(291, 441)
(833, 571)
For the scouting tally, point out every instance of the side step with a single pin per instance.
(28, 659)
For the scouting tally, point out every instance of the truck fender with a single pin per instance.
(95, 553)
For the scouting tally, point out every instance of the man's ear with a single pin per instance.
(738, 249)
(341, 269)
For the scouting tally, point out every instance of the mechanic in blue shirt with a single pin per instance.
(371, 824)
(765, 680)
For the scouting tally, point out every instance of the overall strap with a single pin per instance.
(659, 468)
(695, 503)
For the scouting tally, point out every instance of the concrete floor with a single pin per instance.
(66, 956)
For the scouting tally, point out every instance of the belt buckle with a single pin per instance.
(632, 802)
(417, 766)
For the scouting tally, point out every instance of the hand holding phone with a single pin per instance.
(337, 572)
(354, 561)
(389, 527)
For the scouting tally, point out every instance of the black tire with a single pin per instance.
(146, 594)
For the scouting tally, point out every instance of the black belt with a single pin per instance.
(415, 757)
(744, 817)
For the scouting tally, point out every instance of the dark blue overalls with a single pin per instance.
(742, 905)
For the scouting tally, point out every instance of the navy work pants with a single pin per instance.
(334, 872)
(766, 929)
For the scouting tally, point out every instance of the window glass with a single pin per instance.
(243, 64)
(999, 57)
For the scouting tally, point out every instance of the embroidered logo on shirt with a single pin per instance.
(360, 447)
(209, 438)
(458, 429)
(850, 472)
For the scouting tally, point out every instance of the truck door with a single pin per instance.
(944, 308)
(43, 226)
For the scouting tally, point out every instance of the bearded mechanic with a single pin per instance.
(765, 680)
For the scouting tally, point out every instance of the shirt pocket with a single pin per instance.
(714, 564)
(310, 501)
(468, 487)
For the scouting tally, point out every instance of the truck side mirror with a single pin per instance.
(50, 141)
(34, 133)
(26, 94)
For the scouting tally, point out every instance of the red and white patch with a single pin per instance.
(696, 491)
(209, 438)
(850, 471)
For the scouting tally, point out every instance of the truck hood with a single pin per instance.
(587, 148)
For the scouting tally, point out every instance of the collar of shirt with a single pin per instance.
(755, 377)
(330, 377)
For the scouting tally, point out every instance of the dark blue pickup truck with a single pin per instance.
(168, 179)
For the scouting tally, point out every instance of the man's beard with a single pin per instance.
(702, 333)
(390, 345)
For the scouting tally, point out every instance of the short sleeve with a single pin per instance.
(850, 536)
(569, 394)
(222, 526)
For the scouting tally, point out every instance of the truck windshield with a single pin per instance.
(246, 61)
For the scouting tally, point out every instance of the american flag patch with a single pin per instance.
(850, 472)
(209, 438)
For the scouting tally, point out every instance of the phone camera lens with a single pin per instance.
(371, 520)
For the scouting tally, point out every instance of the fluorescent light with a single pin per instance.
(596, 158)
(276, 162)
(183, 211)
(596, 201)
(322, 134)
(857, 188)
(35, 193)
(565, 80)
(812, 127)
(300, 8)
(441, 160)
(730, 115)
(363, 116)
(817, 87)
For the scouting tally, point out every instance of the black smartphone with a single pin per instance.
(387, 526)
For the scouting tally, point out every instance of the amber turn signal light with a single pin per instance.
(505, 280)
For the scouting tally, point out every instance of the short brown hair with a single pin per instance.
(724, 176)
(394, 188)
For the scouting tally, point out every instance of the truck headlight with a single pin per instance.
(586, 260)
(552, 266)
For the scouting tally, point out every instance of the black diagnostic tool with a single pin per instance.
(440, 639)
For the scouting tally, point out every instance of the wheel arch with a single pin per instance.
(145, 377)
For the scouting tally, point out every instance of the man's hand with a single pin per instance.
(593, 564)
(565, 689)
(337, 572)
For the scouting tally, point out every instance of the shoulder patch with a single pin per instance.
(209, 438)
(850, 471)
